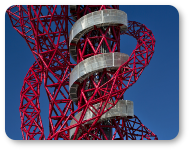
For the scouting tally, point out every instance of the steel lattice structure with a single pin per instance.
(76, 109)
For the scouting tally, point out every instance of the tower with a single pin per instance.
(98, 78)
(85, 100)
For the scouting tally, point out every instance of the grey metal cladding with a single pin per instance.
(101, 18)
(123, 108)
(94, 64)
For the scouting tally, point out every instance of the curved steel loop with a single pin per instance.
(31, 122)
(140, 56)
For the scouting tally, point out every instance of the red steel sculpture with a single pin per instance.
(85, 99)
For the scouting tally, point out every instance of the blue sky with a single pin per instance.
(155, 94)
